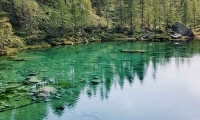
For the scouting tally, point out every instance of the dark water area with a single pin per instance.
(101, 83)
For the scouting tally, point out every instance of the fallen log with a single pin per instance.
(134, 51)
(11, 108)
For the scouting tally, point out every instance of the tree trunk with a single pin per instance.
(142, 14)
(185, 10)
(121, 13)
(132, 17)
(13, 12)
(164, 13)
(194, 20)
(75, 26)
(155, 22)
(62, 21)
(148, 20)
(107, 17)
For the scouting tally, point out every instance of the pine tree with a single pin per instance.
(155, 14)
(195, 11)
(185, 12)
(142, 13)
(13, 11)
(132, 29)
(74, 12)
(148, 5)
(121, 9)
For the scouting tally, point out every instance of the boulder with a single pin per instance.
(47, 90)
(43, 95)
(34, 79)
(182, 29)
(95, 81)
(13, 86)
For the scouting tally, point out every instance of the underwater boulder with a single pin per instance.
(95, 81)
(32, 74)
(34, 79)
(46, 91)
(43, 95)
(13, 86)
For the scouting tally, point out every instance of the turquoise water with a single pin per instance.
(160, 84)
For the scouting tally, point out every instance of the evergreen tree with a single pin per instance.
(120, 7)
(74, 12)
(195, 11)
(185, 12)
(142, 12)
(155, 14)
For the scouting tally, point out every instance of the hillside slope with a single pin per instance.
(55, 22)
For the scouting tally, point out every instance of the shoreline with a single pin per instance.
(11, 51)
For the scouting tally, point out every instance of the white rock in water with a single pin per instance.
(52, 80)
(34, 79)
(42, 95)
(12, 86)
(47, 90)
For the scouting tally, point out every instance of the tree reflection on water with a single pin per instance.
(75, 67)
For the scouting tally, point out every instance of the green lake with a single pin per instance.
(98, 82)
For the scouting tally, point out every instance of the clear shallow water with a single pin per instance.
(161, 84)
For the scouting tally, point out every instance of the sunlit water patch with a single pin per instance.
(98, 82)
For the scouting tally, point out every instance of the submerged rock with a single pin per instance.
(2, 107)
(4, 104)
(95, 81)
(21, 59)
(18, 99)
(9, 96)
(46, 91)
(43, 70)
(95, 77)
(34, 79)
(14, 58)
(43, 83)
(31, 93)
(52, 80)
(22, 89)
(43, 95)
(12, 86)
(58, 97)
(32, 74)
(70, 92)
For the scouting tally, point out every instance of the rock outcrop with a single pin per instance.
(182, 29)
